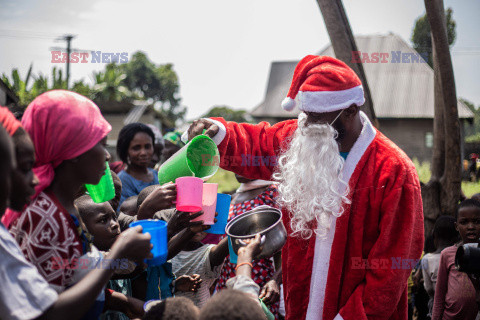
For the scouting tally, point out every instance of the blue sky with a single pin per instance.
(221, 49)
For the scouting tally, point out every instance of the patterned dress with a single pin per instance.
(263, 269)
(49, 239)
(53, 241)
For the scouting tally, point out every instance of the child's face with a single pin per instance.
(103, 226)
(468, 224)
(23, 178)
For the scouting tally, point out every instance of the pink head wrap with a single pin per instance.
(62, 126)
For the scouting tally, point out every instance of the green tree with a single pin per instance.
(82, 88)
(228, 114)
(19, 85)
(422, 38)
(58, 81)
(109, 85)
(40, 84)
(157, 83)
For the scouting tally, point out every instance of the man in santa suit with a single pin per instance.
(351, 198)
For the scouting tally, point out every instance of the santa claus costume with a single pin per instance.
(359, 270)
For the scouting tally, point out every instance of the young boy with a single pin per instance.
(455, 292)
(100, 221)
(178, 308)
(129, 206)
(205, 260)
(444, 235)
(242, 302)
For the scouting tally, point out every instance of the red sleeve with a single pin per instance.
(399, 243)
(440, 289)
(252, 150)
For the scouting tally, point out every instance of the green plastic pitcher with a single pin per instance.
(199, 158)
(104, 190)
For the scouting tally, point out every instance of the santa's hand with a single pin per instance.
(199, 125)
(270, 292)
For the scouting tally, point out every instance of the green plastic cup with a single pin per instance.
(199, 158)
(104, 190)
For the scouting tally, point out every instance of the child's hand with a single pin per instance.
(198, 226)
(270, 292)
(182, 220)
(188, 283)
(132, 244)
(252, 248)
(161, 198)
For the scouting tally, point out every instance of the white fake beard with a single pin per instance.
(309, 173)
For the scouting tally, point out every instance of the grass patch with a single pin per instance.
(226, 181)
(470, 188)
(424, 174)
(423, 170)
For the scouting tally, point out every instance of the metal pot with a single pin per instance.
(264, 220)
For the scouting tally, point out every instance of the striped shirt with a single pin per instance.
(197, 262)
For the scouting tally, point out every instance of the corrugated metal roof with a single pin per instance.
(135, 113)
(399, 90)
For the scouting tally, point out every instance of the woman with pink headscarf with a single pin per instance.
(69, 135)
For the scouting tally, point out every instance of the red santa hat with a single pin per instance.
(323, 84)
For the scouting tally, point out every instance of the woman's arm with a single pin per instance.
(74, 302)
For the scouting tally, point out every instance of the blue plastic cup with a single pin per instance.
(222, 208)
(158, 232)
(233, 256)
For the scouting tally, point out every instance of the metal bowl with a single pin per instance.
(263, 220)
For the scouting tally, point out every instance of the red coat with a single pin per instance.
(361, 271)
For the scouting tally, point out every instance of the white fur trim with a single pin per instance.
(328, 101)
(323, 248)
(338, 317)
(218, 138)
(288, 104)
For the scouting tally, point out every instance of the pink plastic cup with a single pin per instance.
(209, 203)
(189, 194)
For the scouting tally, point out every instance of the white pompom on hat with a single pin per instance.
(323, 84)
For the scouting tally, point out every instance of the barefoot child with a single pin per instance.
(455, 292)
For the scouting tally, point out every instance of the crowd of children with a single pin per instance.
(65, 256)
(450, 294)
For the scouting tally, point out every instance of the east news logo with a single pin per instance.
(90, 57)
